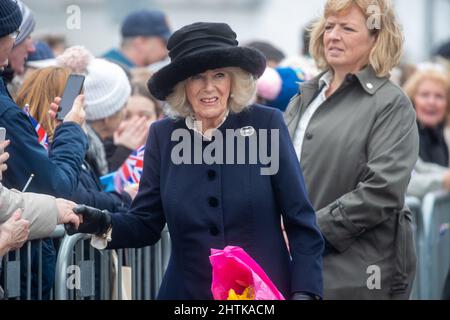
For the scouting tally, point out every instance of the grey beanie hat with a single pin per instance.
(28, 23)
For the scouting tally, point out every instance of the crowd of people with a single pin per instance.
(351, 130)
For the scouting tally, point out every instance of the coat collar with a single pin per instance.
(367, 78)
(193, 124)
(369, 81)
(3, 88)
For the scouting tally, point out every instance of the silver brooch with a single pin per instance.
(247, 131)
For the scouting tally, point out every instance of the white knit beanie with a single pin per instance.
(106, 89)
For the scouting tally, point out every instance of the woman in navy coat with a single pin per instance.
(219, 171)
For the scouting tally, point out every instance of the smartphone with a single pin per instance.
(2, 134)
(73, 88)
(2, 137)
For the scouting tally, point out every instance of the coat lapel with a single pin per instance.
(300, 103)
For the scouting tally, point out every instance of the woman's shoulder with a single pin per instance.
(166, 124)
(262, 111)
(392, 94)
(262, 115)
(390, 86)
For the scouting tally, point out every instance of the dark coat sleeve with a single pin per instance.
(89, 192)
(115, 155)
(56, 172)
(142, 224)
(305, 240)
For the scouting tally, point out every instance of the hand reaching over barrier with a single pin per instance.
(13, 233)
(92, 221)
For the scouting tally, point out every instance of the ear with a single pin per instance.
(374, 37)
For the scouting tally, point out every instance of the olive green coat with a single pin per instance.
(359, 150)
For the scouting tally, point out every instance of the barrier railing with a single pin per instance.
(420, 281)
(17, 282)
(83, 272)
(436, 260)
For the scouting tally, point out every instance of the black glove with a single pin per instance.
(303, 296)
(95, 221)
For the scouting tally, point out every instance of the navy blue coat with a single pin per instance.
(89, 192)
(213, 206)
(56, 172)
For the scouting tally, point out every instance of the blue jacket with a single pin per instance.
(56, 172)
(212, 206)
(89, 192)
(116, 56)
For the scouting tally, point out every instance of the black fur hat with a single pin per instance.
(203, 46)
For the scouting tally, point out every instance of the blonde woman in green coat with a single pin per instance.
(356, 138)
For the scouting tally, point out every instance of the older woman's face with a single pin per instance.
(347, 41)
(208, 94)
(430, 103)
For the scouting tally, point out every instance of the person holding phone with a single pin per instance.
(35, 92)
(55, 172)
(107, 90)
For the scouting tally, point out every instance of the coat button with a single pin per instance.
(213, 202)
(211, 175)
(308, 136)
(213, 231)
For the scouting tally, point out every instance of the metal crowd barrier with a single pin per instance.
(418, 231)
(83, 272)
(432, 237)
(436, 260)
(12, 282)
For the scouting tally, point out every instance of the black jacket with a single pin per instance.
(89, 192)
(433, 147)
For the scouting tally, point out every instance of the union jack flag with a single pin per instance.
(131, 170)
(42, 135)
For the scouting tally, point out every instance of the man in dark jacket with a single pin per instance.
(144, 36)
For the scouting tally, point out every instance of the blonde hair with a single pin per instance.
(243, 92)
(39, 90)
(388, 48)
(411, 86)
